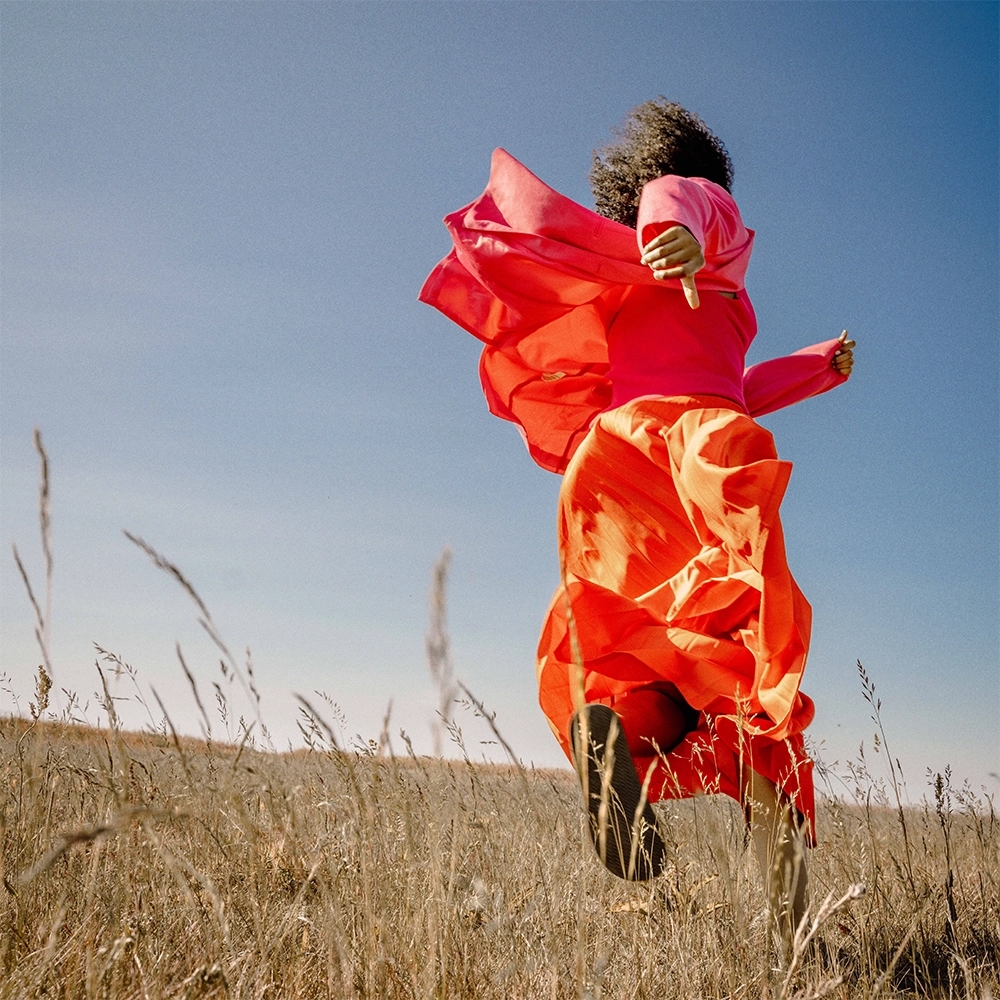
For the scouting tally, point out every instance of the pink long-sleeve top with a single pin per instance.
(574, 323)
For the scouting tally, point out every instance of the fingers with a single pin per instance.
(675, 253)
(681, 271)
(674, 236)
(843, 361)
(665, 256)
(690, 291)
(676, 243)
(677, 264)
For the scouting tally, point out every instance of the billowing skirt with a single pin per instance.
(675, 579)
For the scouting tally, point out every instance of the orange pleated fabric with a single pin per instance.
(674, 571)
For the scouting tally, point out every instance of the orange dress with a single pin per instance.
(672, 556)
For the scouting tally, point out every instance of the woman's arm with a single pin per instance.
(780, 382)
(675, 253)
(688, 225)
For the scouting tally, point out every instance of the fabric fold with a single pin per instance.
(674, 571)
(539, 279)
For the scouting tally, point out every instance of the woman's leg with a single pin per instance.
(622, 824)
(658, 716)
(638, 724)
(655, 718)
(780, 849)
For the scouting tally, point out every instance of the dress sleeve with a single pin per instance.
(780, 382)
(538, 279)
(709, 212)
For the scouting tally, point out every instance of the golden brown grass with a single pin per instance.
(137, 866)
(148, 865)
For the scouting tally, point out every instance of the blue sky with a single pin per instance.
(215, 221)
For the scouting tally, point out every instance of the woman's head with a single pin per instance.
(656, 138)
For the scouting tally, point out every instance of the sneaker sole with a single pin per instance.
(628, 845)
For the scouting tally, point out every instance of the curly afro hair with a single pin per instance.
(657, 137)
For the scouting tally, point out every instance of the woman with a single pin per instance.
(670, 660)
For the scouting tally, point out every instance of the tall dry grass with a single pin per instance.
(151, 865)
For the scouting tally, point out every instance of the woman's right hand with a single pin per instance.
(843, 360)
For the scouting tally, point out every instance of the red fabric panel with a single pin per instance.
(675, 571)
(539, 279)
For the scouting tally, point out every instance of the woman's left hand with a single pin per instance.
(843, 360)
(675, 253)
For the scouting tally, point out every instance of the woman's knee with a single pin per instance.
(654, 719)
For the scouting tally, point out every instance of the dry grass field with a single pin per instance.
(149, 866)
(141, 866)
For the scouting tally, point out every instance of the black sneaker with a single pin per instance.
(628, 844)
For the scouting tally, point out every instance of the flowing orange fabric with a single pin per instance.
(674, 571)
(675, 579)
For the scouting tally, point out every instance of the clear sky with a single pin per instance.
(215, 221)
